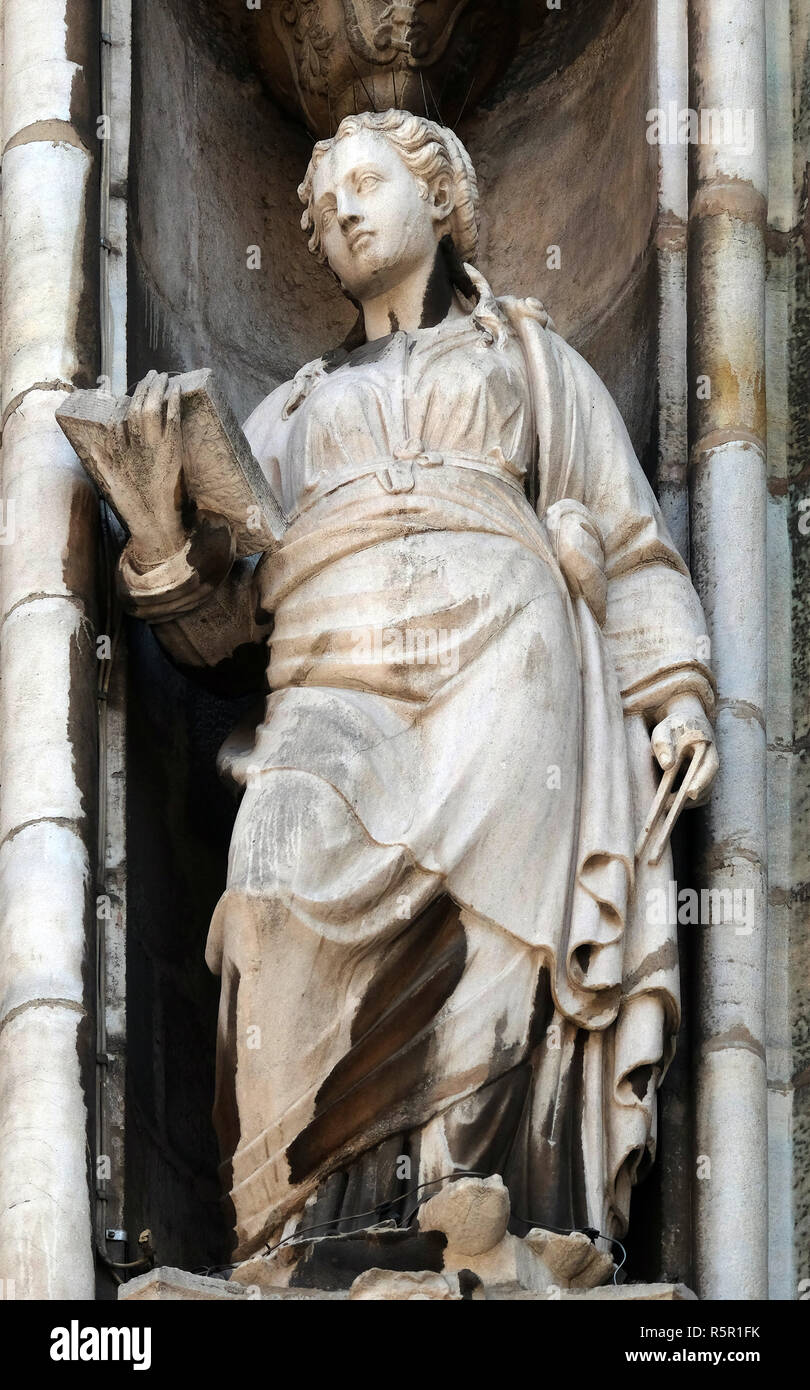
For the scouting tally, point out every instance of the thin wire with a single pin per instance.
(578, 1230)
(591, 1232)
(464, 103)
(435, 103)
(356, 1216)
(362, 84)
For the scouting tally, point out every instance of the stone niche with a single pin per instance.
(560, 149)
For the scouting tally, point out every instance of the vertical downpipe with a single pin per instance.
(672, 98)
(111, 865)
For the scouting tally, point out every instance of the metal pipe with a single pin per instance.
(111, 898)
(672, 66)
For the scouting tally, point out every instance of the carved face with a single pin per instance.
(376, 226)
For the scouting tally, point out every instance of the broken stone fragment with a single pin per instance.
(387, 1285)
(573, 1259)
(473, 1213)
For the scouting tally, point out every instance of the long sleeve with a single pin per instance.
(222, 643)
(654, 625)
(206, 614)
(204, 608)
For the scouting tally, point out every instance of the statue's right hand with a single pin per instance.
(149, 499)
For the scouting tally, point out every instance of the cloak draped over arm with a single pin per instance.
(654, 626)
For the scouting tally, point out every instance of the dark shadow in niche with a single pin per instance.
(553, 39)
(179, 820)
(660, 1241)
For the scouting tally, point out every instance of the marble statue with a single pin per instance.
(436, 942)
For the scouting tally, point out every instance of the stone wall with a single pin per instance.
(566, 163)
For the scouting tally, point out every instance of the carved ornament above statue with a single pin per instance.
(326, 59)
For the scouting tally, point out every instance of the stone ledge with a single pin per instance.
(167, 1285)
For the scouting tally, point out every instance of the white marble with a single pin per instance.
(404, 470)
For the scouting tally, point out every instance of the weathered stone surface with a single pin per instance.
(460, 1244)
(166, 1285)
(472, 1214)
(380, 1285)
(224, 182)
(385, 1285)
(39, 463)
(47, 185)
(324, 61)
(44, 1197)
(37, 966)
(203, 208)
(48, 646)
(48, 669)
(728, 427)
(574, 1260)
(287, 1116)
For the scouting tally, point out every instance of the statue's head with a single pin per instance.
(381, 195)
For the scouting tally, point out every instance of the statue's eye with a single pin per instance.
(367, 182)
(327, 217)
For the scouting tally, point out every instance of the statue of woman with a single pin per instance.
(438, 952)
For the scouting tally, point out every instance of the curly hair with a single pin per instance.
(428, 150)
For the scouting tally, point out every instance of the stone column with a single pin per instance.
(726, 296)
(783, 217)
(48, 668)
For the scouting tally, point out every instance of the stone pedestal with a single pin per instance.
(459, 1250)
(165, 1285)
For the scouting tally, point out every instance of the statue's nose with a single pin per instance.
(348, 219)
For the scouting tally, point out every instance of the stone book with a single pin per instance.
(220, 472)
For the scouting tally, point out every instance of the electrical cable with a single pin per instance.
(381, 1207)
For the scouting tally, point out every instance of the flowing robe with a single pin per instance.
(434, 942)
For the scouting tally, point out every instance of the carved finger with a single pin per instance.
(152, 412)
(663, 745)
(174, 434)
(120, 438)
(153, 400)
(134, 413)
(705, 774)
(690, 734)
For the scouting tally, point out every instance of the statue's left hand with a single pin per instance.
(684, 733)
(148, 493)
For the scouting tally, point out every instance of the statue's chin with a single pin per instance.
(370, 279)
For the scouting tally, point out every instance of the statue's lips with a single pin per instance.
(354, 239)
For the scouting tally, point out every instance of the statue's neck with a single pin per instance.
(422, 300)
